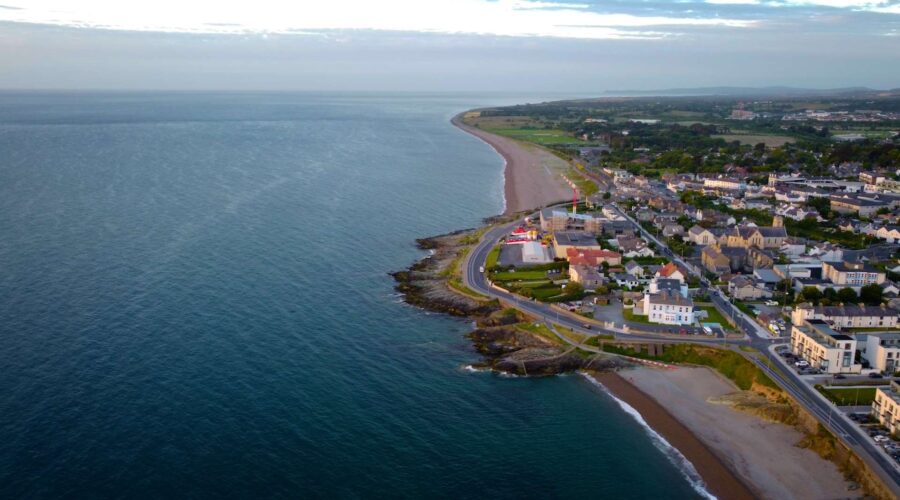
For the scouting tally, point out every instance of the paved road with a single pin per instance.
(756, 336)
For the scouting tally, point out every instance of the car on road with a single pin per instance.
(875, 375)
(771, 303)
(839, 376)
(586, 326)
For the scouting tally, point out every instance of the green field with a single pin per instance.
(714, 316)
(519, 275)
(537, 136)
(636, 318)
(772, 141)
(849, 396)
(492, 257)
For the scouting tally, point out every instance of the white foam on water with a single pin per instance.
(672, 453)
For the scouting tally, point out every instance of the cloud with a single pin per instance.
(518, 18)
(882, 6)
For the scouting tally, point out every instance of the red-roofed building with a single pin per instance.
(589, 257)
(670, 271)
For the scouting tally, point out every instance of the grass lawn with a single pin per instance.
(548, 293)
(458, 285)
(637, 318)
(492, 257)
(542, 330)
(531, 284)
(519, 275)
(849, 396)
(537, 136)
(714, 316)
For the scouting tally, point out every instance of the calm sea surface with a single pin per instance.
(194, 301)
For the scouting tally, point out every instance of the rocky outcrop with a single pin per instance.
(505, 347)
(424, 284)
(512, 350)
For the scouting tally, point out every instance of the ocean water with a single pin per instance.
(194, 302)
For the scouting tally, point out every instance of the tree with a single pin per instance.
(574, 290)
(811, 294)
(848, 295)
(871, 294)
(607, 195)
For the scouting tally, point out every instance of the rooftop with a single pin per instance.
(670, 297)
(576, 238)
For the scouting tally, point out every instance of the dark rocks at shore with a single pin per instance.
(505, 347)
(512, 350)
(424, 284)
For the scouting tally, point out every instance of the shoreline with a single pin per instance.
(528, 182)
(719, 479)
(714, 464)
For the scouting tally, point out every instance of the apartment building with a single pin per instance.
(852, 274)
(882, 351)
(847, 316)
(886, 406)
(824, 348)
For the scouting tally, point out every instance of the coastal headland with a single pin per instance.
(744, 442)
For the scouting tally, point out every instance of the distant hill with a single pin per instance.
(754, 92)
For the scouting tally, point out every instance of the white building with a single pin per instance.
(824, 348)
(886, 406)
(533, 252)
(847, 316)
(725, 183)
(668, 307)
(882, 351)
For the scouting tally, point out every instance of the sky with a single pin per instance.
(567, 46)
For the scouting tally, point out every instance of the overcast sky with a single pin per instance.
(447, 45)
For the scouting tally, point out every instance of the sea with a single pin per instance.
(195, 302)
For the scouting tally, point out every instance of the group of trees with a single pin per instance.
(870, 295)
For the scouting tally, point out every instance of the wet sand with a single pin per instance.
(761, 452)
(532, 175)
(719, 479)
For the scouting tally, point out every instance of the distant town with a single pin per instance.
(690, 216)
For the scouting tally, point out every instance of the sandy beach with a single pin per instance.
(532, 174)
(719, 479)
(762, 453)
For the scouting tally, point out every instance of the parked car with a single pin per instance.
(771, 303)
(875, 375)
(839, 376)
(801, 363)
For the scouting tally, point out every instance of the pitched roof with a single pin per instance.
(668, 269)
(590, 256)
